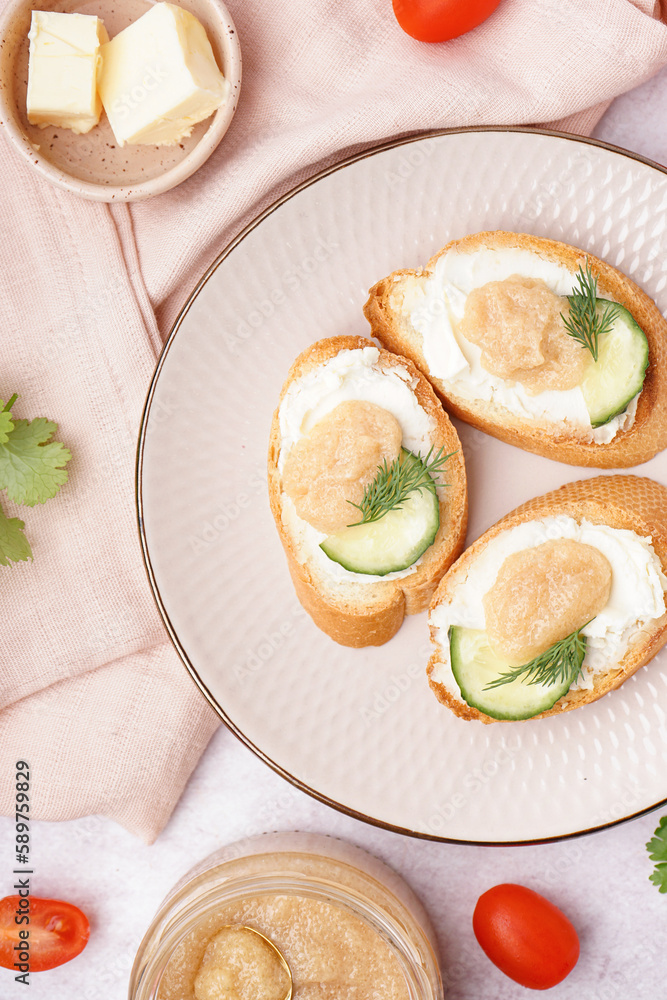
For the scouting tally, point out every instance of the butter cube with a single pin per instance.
(160, 77)
(63, 69)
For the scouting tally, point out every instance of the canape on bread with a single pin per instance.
(558, 603)
(535, 342)
(367, 487)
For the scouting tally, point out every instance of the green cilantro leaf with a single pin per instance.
(31, 468)
(14, 546)
(6, 422)
(657, 851)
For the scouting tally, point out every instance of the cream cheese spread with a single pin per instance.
(435, 308)
(636, 598)
(351, 374)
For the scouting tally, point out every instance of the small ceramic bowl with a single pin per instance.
(93, 165)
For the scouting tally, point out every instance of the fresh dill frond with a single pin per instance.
(395, 481)
(560, 663)
(586, 323)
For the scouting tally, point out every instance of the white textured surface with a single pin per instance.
(601, 881)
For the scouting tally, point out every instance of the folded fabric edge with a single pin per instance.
(142, 714)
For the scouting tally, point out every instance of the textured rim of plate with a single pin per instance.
(354, 158)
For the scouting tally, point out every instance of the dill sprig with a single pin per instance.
(394, 482)
(585, 323)
(560, 663)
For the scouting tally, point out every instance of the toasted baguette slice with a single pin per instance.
(637, 444)
(630, 502)
(355, 611)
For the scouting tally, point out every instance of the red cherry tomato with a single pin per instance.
(439, 20)
(52, 934)
(526, 936)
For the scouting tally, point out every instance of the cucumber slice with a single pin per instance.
(394, 542)
(612, 381)
(475, 665)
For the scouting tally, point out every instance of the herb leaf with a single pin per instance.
(14, 546)
(584, 323)
(31, 468)
(561, 661)
(394, 483)
(657, 851)
(6, 424)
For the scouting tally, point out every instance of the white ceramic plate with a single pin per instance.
(360, 728)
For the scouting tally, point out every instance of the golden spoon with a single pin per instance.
(265, 941)
(281, 958)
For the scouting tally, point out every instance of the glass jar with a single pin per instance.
(299, 866)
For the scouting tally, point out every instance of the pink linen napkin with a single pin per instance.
(91, 692)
